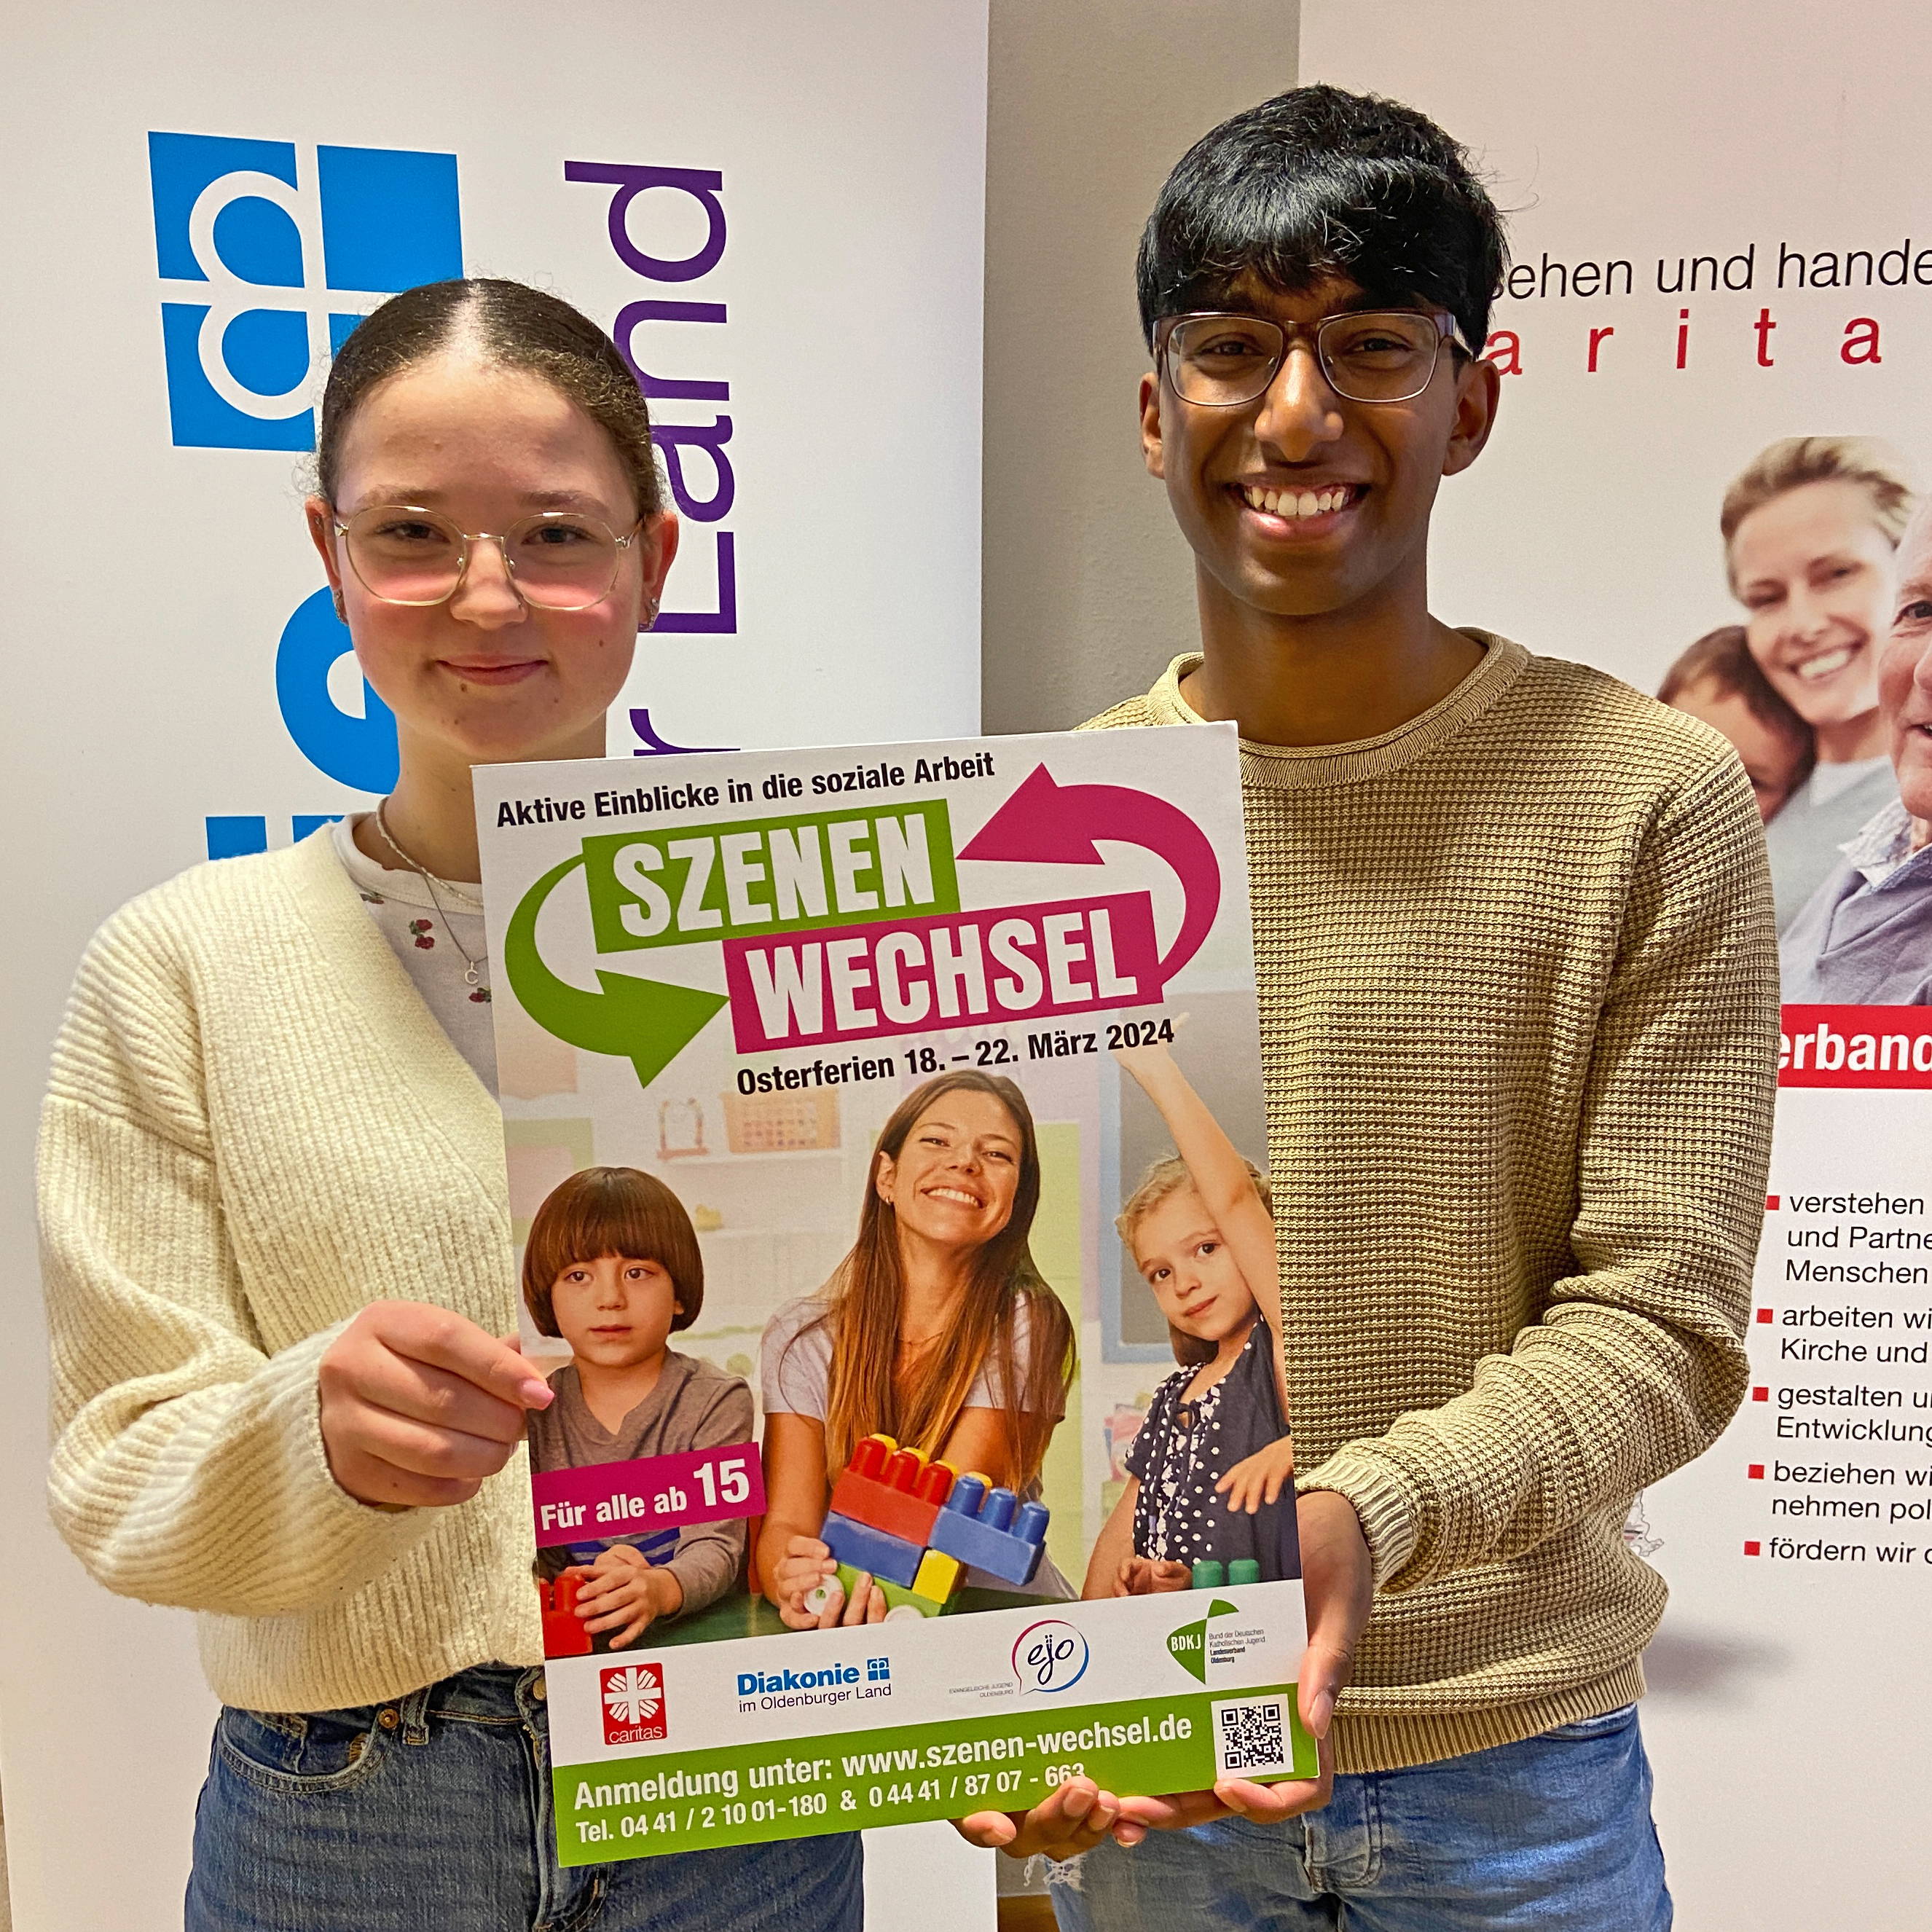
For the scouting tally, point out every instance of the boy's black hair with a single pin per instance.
(1320, 182)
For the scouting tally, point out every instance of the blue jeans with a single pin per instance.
(434, 1811)
(1554, 1832)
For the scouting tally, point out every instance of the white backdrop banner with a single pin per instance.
(778, 212)
(1722, 237)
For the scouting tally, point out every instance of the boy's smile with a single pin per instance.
(1303, 503)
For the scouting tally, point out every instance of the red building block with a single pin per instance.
(892, 1489)
(565, 1633)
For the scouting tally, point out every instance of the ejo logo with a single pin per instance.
(634, 1704)
(268, 253)
(1050, 1656)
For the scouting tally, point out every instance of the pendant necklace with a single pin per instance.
(472, 972)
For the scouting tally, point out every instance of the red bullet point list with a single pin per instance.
(1770, 1204)
(1760, 1395)
(1756, 1472)
(1753, 1550)
(1764, 1314)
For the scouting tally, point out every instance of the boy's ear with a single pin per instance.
(1153, 451)
(1478, 391)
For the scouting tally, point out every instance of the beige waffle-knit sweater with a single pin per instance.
(1519, 997)
(254, 1127)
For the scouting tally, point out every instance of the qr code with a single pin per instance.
(1251, 1738)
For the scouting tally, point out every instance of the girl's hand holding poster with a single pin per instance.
(892, 1241)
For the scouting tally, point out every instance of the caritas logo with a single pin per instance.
(634, 1704)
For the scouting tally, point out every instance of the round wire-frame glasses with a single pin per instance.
(555, 559)
(1222, 360)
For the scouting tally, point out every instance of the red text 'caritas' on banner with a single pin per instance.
(648, 1492)
(1854, 1046)
(960, 969)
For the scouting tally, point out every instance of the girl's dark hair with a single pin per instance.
(611, 1211)
(1319, 182)
(866, 1395)
(1722, 658)
(514, 326)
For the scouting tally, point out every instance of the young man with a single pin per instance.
(1518, 986)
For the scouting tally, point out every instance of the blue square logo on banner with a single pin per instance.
(272, 253)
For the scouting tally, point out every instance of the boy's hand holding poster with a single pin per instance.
(880, 1125)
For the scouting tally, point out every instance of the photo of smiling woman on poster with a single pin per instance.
(937, 1329)
(1810, 528)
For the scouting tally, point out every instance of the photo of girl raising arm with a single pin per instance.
(1208, 1468)
(937, 1329)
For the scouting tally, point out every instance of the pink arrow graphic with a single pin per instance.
(1047, 823)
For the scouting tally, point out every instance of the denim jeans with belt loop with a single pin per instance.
(433, 1811)
(1552, 1834)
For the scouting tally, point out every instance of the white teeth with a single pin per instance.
(1293, 503)
(1826, 663)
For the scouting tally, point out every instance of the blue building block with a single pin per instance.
(978, 1532)
(891, 1558)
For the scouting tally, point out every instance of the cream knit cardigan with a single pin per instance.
(254, 1128)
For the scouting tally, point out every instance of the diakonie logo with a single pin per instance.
(1050, 1656)
(267, 254)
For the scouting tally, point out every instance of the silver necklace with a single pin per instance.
(472, 974)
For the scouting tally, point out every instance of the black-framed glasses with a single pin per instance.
(556, 560)
(1376, 356)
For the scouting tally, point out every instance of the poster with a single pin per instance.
(803, 1053)
(1720, 249)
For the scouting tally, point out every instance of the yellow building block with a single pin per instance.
(938, 1575)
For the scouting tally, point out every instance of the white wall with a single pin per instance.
(1086, 587)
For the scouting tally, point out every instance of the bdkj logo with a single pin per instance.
(1050, 1656)
(634, 1704)
(267, 252)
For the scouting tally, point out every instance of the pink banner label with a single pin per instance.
(649, 1492)
(1024, 963)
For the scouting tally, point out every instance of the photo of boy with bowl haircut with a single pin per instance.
(1517, 979)
(1718, 680)
(612, 1266)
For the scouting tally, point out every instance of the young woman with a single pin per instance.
(278, 1238)
(937, 1330)
(1809, 529)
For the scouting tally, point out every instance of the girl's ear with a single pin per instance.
(884, 1178)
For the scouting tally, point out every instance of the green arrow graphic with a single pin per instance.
(642, 1021)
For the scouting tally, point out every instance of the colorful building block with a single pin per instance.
(876, 1552)
(899, 1603)
(991, 1530)
(893, 1490)
(938, 1575)
(564, 1632)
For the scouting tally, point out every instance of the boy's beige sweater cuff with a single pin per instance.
(1390, 1513)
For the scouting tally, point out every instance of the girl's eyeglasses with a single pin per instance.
(556, 560)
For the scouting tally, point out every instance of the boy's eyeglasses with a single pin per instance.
(1379, 355)
(556, 560)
